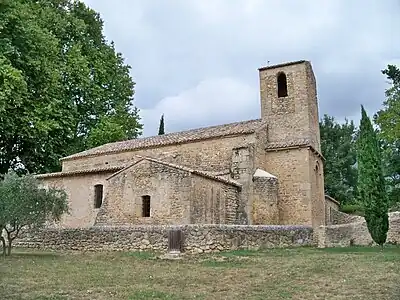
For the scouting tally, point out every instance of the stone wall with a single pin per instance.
(292, 168)
(296, 115)
(331, 206)
(197, 238)
(207, 155)
(81, 197)
(265, 200)
(241, 171)
(338, 217)
(213, 202)
(176, 195)
(344, 235)
(318, 203)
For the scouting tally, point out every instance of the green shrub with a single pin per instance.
(353, 209)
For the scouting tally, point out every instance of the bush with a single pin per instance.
(353, 209)
(395, 207)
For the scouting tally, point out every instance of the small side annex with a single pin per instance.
(150, 191)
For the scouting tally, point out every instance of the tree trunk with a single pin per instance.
(9, 247)
(3, 242)
(9, 243)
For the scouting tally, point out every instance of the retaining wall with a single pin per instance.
(197, 238)
(356, 233)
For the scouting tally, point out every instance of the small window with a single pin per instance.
(98, 195)
(282, 85)
(146, 206)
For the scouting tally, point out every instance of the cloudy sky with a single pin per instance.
(196, 61)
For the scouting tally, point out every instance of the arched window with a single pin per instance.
(146, 206)
(98, 195)
(282, 85)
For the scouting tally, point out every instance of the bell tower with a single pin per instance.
(289, 103)
(289, 106)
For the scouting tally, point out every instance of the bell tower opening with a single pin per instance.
(282, 85)
(289, 102)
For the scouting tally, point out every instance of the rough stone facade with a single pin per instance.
(263, 171)
(173, 200)
(331, 208)
(196, 238)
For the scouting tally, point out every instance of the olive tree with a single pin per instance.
(25, 203)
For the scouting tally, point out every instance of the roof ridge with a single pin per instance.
(185, 136)
(179, 167)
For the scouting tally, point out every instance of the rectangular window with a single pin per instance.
(98, 195)
(146, 206)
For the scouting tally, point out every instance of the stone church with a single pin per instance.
(263, 171)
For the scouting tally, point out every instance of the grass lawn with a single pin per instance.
(302, 273)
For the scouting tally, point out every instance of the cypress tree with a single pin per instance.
(161, 127)
(371, 182)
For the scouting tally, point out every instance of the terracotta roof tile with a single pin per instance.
(78, 172)
(244, 127)
(287, 144)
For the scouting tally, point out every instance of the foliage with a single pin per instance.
(388, 120)
(24, 203)
(161, 130)
(353, 209)
(371, 182)
(61, 85)
(338, 148)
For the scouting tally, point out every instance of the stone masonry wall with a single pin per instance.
(213, 202)
(345, 235)
(317, 190)
(197, 238)
(331, 207)
(295, 116)
(265, 200)
(292, 168)
(338, 217)
(80, 191)
(208, 155)
(176, 197)
(241, 170)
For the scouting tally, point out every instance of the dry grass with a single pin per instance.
(303, 273)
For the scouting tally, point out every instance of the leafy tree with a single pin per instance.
(338, 148)
(61, 83)
(24, 203)
(371, 181)
(161, 130)
(388, 120)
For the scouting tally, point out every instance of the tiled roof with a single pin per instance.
(183, 168)
(301, 143)
(288, 144)
(244, 127)
(79, 172)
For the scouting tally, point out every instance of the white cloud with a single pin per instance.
(211, 102)
(190, 56)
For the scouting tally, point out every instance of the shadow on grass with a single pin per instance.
(393, 249)
(33, 254)
(144, 295)
(240, 253)
(267, 252)
(51, 298)
(211, 263)
(141, 254)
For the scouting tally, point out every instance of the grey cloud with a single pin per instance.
(173, 46)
